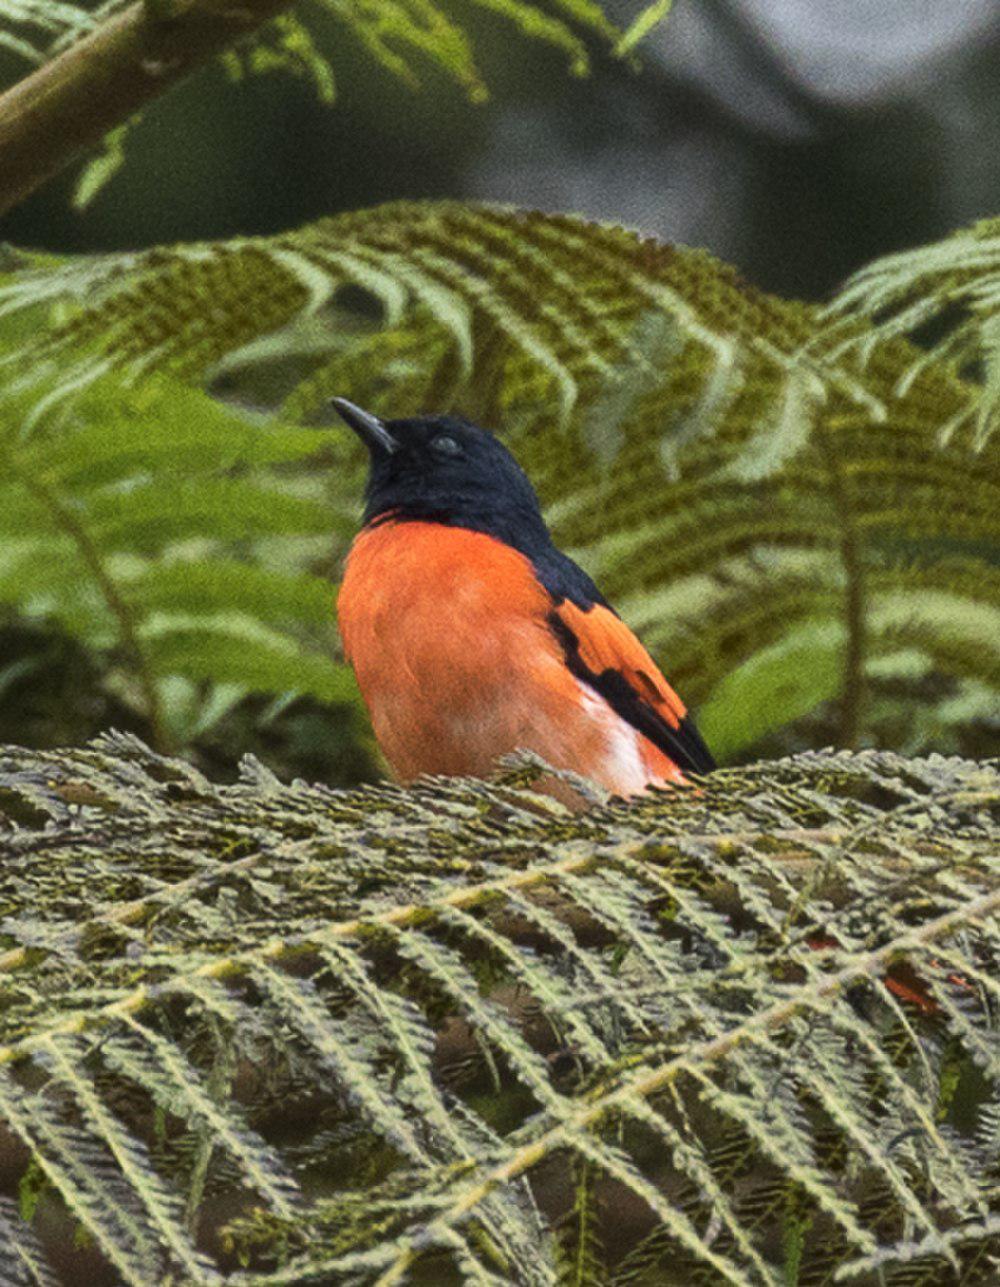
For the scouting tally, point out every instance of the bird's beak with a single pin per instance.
(370, 429)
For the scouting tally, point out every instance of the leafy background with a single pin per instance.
(796, 510)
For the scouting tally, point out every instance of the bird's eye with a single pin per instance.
(445, 445)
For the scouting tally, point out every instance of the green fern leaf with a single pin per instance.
(236, 650)
(126, 518)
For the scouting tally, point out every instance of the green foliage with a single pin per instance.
(798, 513)
(156, 526)
(281, 1034)
(395, 34)
(399, 36)
(578, 1251)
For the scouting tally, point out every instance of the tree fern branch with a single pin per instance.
(398, 917)
(278, 949)
(467, 997)
(137, 909)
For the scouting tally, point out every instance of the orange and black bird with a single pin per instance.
(472, 635)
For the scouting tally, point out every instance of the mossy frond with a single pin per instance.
(741, 1034)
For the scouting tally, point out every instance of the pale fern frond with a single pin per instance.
(449, 1032)
(23, 1262)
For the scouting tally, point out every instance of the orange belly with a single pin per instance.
(446, 630)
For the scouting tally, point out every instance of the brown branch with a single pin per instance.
(70, 103)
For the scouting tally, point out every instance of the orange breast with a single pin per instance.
(447, 632)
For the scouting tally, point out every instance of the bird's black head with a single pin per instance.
(446, 470)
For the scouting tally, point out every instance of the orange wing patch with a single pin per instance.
(606, 643)
(603, 652)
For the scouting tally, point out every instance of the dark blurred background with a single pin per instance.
(795, 138)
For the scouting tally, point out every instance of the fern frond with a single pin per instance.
(952, 286)
(654, 1037)
(394, 33)
(30, 26)
(22, 1259)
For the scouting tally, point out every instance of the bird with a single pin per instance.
(472, 635)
